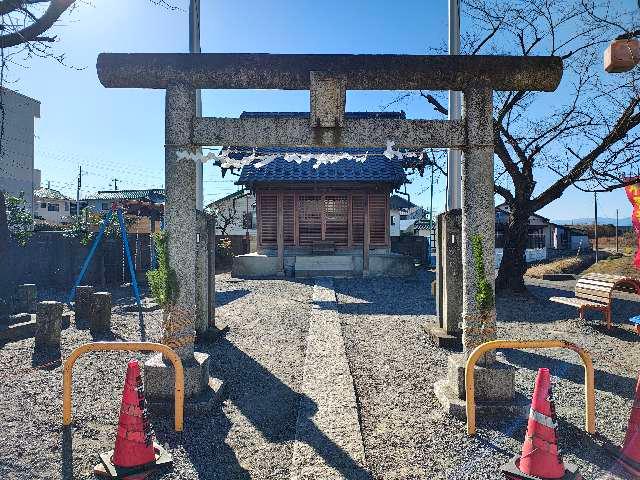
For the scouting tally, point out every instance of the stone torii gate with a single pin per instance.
(327, 77)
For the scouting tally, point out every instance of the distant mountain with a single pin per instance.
(623, 222)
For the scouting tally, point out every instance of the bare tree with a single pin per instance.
(586, 134)
(226, 216)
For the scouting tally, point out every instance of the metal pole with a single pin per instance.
(595, 224)
(616, 230)
(194, 47)
(78, 195)
(431, 201)
(454, 190)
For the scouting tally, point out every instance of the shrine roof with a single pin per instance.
(377, 168)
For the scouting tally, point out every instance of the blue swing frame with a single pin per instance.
(123, 232)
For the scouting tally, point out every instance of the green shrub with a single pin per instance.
(224, 248)
(19, 219)
(484, 293)
(162, 281)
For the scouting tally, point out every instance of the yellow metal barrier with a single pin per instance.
(126, 346)
(589, 392)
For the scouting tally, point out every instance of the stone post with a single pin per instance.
(84, 302)
(448, 280)
(48, 325)
(100, 313)
(27, 298)
(494, 381)
(179, 320)
(202, 273)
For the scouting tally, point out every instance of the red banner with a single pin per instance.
(633, 194)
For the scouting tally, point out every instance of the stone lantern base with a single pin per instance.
(201, 392)
(494, 388)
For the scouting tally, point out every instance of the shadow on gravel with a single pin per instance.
(228, 296)
(270, 406)
(535, 307)
(387, 296)
(609, 382)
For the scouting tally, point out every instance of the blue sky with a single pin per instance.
(119, 134)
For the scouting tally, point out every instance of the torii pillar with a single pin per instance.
(185, 237)
(495, 381)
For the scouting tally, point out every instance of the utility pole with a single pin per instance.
(595, 224)
(616, 230)
(431, 201)
(454, 182)
(78, 194)
(449, 288)
(194, 47)
(115, 183)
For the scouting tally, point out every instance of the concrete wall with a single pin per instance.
(16, 163)
(51, 260)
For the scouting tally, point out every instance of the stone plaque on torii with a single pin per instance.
(328, 77)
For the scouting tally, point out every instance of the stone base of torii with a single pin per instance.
(328, 77)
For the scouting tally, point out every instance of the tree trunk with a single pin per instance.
(513, 266)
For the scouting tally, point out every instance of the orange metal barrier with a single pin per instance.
(126, 346)
(589, 391)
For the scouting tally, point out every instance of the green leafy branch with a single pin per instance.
(484, 293)
(162, 281)
(19, 219)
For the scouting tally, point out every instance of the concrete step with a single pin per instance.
(326, 266)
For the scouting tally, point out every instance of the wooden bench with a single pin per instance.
(324, 247)
(593, 291)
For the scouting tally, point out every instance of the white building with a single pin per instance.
(52, 206)
(404, 215)
(237, 212)
(16, 162)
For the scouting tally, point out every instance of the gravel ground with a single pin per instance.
(249, 436)
(406, 434)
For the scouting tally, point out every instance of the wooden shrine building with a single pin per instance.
(310, 208)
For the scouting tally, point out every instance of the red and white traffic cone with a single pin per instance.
(135, 454)
(629, 456)
(540, 457)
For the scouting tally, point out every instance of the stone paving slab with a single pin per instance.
(328, 441)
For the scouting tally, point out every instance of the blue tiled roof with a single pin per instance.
(376, 169)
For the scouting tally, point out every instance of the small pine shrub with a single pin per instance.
(162, 280)
(484, 294)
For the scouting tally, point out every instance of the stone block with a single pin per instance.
(18, 330)
(456, 407)
(100, 320)
(159, 376)
(440, 338)
(48, 324)
(391, 265)
(493, 382)
(201, 392)
(26, 298)
(84, 302)
(494, 389)
(254, 265)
